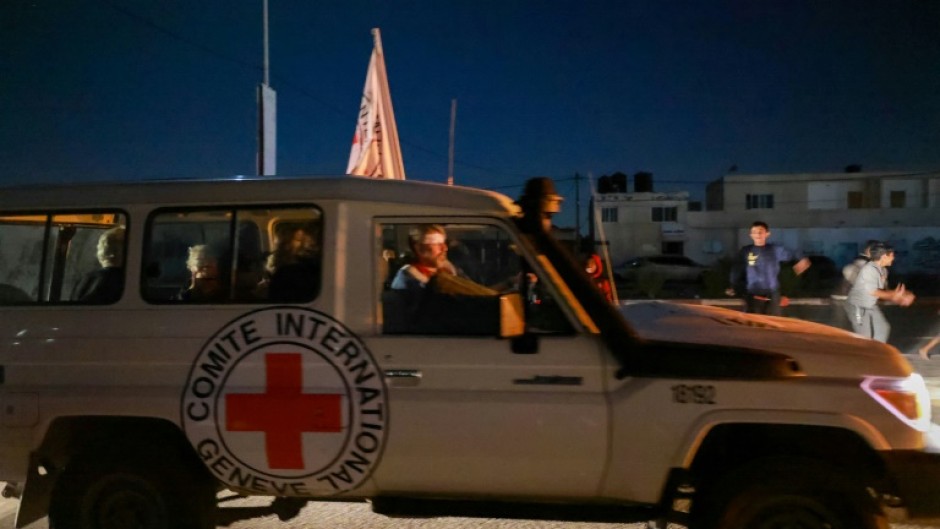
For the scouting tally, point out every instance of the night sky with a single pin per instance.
(133, 89)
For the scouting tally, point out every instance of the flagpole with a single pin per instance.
(377, 41)
(393, 163)
(376, 151)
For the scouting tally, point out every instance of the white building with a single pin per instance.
(828, 214)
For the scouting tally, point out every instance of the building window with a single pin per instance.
(855, 200)
(608, 214)
(898, 199)
(665, 214)
(760, 201)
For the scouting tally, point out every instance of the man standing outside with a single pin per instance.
(756, 269)
(849, 273)
(871, 286)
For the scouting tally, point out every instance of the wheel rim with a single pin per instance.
(793, 513)
(124, 502)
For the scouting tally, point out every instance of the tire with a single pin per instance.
(99, 494)
(790, 494)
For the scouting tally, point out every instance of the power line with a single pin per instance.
(179, 37)
(281, 80)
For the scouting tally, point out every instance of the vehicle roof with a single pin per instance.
(252, 189)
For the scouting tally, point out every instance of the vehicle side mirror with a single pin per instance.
(511, 315)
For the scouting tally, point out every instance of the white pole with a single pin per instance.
(266, 61)
(377, 40)
(267, 113)
(450, 150)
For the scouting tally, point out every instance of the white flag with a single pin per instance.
(375, 151)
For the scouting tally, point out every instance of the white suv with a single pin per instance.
(428, 348)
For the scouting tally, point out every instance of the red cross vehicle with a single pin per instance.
(431, 349)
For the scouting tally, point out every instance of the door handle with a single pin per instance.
(402, 373)
(403, 377)
(549, 380)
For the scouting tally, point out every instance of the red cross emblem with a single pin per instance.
(283, 412)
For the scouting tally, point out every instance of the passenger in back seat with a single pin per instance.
(105, 284)
(205, 283)
(295, 265)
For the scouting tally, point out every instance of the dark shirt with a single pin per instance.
(194, 295)
(757, 267)
(104, 285)
(295, 282)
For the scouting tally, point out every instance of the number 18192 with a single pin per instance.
(694, 394)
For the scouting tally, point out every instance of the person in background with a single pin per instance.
(925, 350)
(261, 290)
(870, 286)
(205, 283)
(106, 284)
(295, 267)
(849, 273)
(851, 270)
(755, 270)
(595, 270)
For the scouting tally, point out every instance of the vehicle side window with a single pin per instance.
(62, 258)
(448, 278)
(21, 260)
(94, 269)
(245, 255)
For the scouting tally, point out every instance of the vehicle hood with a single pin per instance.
(819, 350)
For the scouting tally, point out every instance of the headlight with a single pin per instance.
(907, 398)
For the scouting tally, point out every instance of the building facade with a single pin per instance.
(830, 214)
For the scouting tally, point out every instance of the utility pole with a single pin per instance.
(450, 149)
(267, 62)
(267, 113)
(577, 212)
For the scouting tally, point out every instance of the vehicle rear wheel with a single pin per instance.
(97, 494)
(785, 494)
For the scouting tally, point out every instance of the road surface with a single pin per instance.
(324, 515)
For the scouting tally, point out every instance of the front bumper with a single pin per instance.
(916, 479)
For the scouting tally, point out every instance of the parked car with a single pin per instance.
(825, 269)
(677, 268)
(822, 278)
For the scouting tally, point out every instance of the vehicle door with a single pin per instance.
(467, 414)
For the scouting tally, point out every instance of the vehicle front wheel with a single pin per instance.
(97, 494)
(788, 494)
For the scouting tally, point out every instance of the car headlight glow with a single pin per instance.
(906, 398)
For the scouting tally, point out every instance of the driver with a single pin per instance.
(430, 250)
